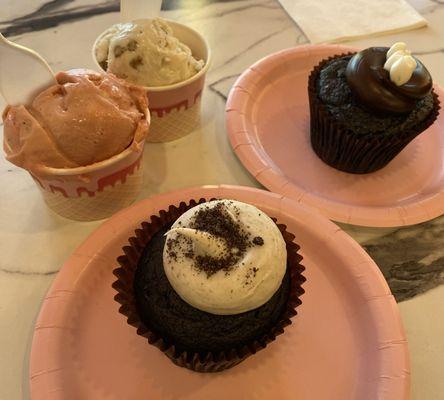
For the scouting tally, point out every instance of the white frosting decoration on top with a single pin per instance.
(248, 284)
(400, 64)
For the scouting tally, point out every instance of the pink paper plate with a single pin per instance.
(346, 343)
(268, 126)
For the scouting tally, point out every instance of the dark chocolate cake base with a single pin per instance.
(161, 308)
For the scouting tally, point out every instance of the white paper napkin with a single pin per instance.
(340, 20)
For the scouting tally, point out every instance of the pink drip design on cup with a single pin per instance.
(101, 183)
(94, 191)
(91, 179)
(160, 112)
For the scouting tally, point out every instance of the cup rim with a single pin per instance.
(51, 171)
(173, 86)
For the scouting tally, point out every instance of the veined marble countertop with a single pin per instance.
(35, 242)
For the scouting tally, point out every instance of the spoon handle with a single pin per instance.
(23, 73)
(131, 10)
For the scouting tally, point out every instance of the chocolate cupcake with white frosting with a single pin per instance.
(366, 107)
(210, 284)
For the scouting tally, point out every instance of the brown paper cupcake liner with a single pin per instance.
(209, 362)
(340, 148)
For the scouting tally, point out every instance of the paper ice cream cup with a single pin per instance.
(175, 109)
(95, 191)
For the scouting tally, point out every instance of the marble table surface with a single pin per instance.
(35, 242)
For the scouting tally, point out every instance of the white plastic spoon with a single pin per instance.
(23, 73)
(131, 10)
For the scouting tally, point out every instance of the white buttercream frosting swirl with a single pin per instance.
(400, 63)
(244, 269)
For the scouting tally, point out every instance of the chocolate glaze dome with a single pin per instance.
(371, 83)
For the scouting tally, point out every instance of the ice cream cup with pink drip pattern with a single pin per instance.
(175, 108)
(85, 158)
(95, 191)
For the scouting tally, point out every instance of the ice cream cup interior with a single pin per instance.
(193, 39)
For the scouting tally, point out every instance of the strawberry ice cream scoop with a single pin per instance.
(86, 118)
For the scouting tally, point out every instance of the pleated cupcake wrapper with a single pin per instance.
(340, 148)
(209, 362)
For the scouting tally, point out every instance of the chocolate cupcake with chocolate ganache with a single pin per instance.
(210, 284)
(366, 107)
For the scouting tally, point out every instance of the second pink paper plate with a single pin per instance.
(268, 126)
(346, 343)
